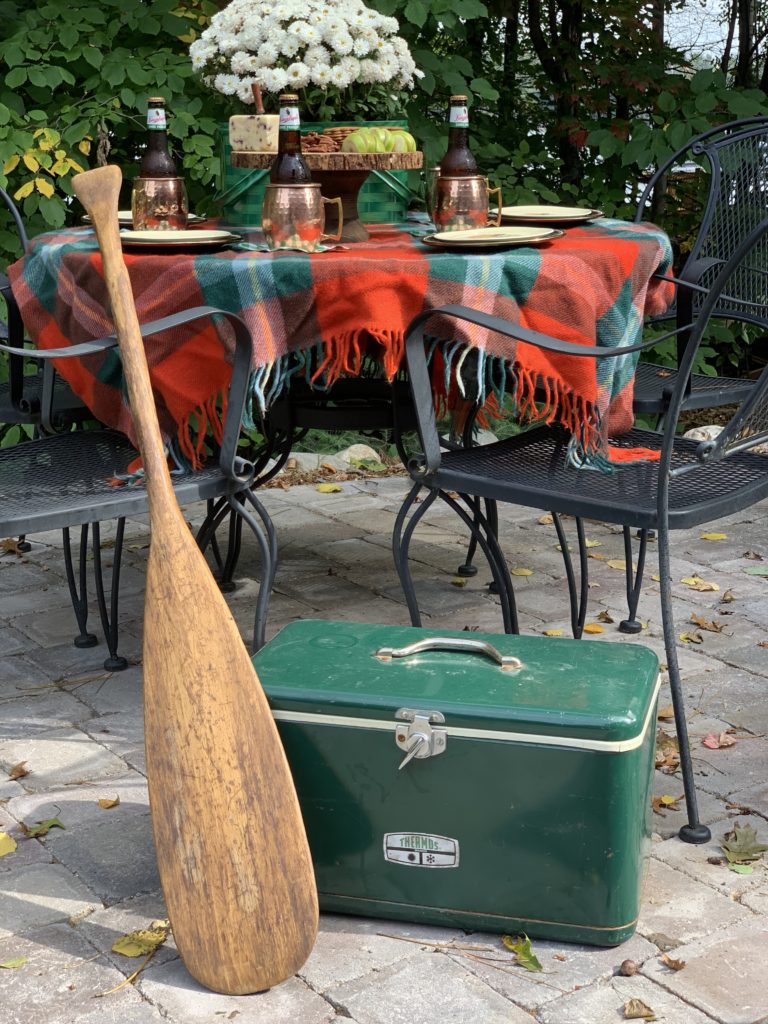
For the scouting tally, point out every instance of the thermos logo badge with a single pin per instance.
(421, 850)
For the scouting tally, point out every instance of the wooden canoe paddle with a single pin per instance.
(231, 848)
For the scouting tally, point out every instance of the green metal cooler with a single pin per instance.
(472, 780)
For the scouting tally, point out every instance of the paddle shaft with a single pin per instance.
(231, 848)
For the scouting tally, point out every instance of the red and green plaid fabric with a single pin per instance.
(330, 310)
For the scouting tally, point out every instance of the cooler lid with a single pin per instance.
(581, 689)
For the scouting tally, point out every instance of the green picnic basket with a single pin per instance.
(383, 199)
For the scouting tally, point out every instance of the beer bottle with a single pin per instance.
(157, 162)
(458, 161)
(289, 166)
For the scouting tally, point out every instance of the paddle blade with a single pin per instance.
(233, 857)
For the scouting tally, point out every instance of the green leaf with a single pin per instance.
(705, 102)
(741, 845)
(93, 56)
(42, 828)
(741, 869)
(12, 964)
(483, 88)
(666, 102)
(524, 955)
(16, 77)
(416, 12)
(756, 570)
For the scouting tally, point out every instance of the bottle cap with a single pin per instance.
(156, 99)
(289, 97)
(458, 99)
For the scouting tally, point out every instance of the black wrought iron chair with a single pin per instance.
(721, 178)
(693, 483)
(67, 480)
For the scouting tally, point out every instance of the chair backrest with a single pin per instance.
(741, 275)
(721, 179)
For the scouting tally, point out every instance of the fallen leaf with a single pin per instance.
(604, 617)
(756, 570)
(10, 546)
(18, 962)
(520, 570)
(18, 771)
(559, 956)
(660, 804)
(107, 803)
(370, 465)
(143, 941)
(763, 643)
(329, 488)
(546, 519)
(655, 577)
(741, 869)
(524, 955)
(719, 861)
(553, 632)
(710, 625)
(691, 638)
(673, 965)
(592, 544)
(697, 583)
(459, 581)
(616, 563)
(593, 627)
(7, 844)
(327, 467)
(42, 828)
(598, 555)
(667, 752)
(668, 712)
(754, 555)
(714, 536)
(636, 1009)
(741, 845)
(728, 597)
(717, 741)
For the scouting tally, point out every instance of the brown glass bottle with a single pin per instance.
(157, 161)
(289, 166)
(458, 161)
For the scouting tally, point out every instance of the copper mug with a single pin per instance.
(463, 203)
(293, 217)
(159, 204)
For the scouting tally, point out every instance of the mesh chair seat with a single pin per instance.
(531, 469)
(707, 392)
(43, 482)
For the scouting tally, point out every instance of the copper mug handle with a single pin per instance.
(334, 238)
(497, 192)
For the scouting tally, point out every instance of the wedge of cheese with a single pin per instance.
(254, 133)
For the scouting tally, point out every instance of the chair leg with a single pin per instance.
(634, 579)
(578, 602)
(77, 588)
(401, 540)
(210, 506)
(109, 619)
(234, 543)
(694, 831)
(217, 512)
(267, 540)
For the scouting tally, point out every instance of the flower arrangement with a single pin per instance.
(344, 58)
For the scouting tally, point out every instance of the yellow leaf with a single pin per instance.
(604, 616)
(592, 544)
(106, 803)
(141, 942)
(546, 519)
(60, 167)
(60, 154)
(459, 581)
(75, 165)
(7, 844)
(667, 800)
(553, 632)
(11, 163)
(18, 961)
(714, 536)
(521, 571)
(691, 638)
(667, 711)
(655, 577)
(44, 187)
(84, 145)
(31, 162)
(616, 563)
(26, 190)
(593, 627)
(697, 583)
(328, 488)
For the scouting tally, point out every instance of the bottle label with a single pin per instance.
(458, 117)
(156, 119)
(289, 119)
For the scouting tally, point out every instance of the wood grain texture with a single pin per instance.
(337, 161)
(232, 853)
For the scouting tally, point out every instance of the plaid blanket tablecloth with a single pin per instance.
(594, 285)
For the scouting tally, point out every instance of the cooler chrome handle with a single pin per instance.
(507, 662)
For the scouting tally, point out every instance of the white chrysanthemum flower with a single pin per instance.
(339, 77)
(341, 43)
(298, 75)
(361, 47)
(267, 55)
(273, 79)
(226, 84)
(321, 74)
(244, 91)
(244, 63)
(316, 55)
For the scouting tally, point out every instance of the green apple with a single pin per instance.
(381, 135)
(356, 142)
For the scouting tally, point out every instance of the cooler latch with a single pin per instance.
(419, 738)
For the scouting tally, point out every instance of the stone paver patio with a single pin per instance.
(65, 898)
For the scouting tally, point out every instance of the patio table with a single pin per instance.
(323, 314)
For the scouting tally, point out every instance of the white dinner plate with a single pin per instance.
(125, 218)
(195, 238)
(490, 238)
(548, 214)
